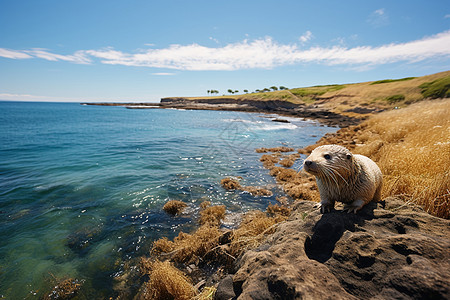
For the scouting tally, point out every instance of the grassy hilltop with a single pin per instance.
(356, 98)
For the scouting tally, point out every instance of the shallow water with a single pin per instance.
(82, 187)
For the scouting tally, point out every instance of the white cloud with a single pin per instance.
(14, 54)
(306, 37)
(447, 16)
(266, 54)
(78, 57)
(379, 12)
(262, 53)
(378, 18)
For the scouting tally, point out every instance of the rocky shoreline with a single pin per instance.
(279, 107)
(389, 250)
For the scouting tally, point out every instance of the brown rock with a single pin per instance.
(395, 253)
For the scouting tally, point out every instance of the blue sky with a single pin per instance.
(144, 50)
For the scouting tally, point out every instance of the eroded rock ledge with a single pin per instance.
(281, 107)
(387, 251)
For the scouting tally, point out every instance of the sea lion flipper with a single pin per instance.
(354, 206)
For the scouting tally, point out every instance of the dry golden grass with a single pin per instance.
(412, 148)
(174, 207)
(375, 95)
(255, 226)
(207, 293)
(166, 282)
(188, 248)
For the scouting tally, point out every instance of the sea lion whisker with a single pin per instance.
(336, 172)
(332, 176)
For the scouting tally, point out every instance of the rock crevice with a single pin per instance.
(390, 252)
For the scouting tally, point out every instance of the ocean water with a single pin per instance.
(82, 187)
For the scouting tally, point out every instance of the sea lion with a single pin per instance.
(352, 179)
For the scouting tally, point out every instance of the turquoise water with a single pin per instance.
(82, 187)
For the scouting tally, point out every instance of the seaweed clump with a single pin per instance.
(64, 289)
(230, 184)
(174, 207)
(255, 226)
(275, 149)
(212, 215)
(207, 247)
(166, 282)
(233, 184)
(189, 248)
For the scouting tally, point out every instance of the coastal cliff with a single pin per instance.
(280, 107)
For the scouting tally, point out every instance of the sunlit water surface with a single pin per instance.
(82, 187)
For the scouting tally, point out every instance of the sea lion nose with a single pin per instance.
(308, 162)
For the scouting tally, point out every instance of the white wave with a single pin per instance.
(288, 126)
(243, 121)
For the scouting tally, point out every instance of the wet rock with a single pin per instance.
(225, 289)
(395, 252)
(280, 120)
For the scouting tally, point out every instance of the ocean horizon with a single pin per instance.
(82, 187)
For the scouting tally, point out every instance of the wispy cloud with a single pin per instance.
(214, 40)
(306, 37)
(261, 53)
(378, 18)
(447, 16)
(14, 54)
(78, 57)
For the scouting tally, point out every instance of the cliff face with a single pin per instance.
(261, 104)
(395, 252)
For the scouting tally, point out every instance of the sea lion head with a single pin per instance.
(329, 161)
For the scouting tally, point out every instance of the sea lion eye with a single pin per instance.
(349, 156)
(327, 156)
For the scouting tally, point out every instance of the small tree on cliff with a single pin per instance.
(230, 91)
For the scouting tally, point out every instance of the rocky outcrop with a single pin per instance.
(281, 107)
(387, 251)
